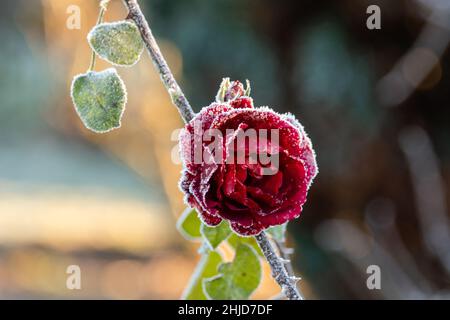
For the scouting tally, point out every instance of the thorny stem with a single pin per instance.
(279, 272)
(284, 253)
(101, 15)
(177, 95)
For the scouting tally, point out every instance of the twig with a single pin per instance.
(279, 272)
(284, 253)
(393, 89)
(429, 191)
(343, 237)
(177, 95)
(101, 15)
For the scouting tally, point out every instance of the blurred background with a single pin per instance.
(375, 103)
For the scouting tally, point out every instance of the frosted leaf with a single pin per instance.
(248, 88)
(206, 268)
(189, 224)
(236, 280)
(215, 235)
(234, 240)
(220, 96)
(99, 99)
(119, 43)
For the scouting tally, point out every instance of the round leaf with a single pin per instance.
(236, 280)
(99, 99)
(189, 224)
(215, 235)
(234, 240)
(206, 268)
(119, 43)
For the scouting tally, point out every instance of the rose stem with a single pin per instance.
(101, 15)
(176, 94)
(279, 272)
(284, 253)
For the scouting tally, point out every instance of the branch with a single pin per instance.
(103, 8)
(394, 88)
(285, 253)
(279, 272)
(176, 94)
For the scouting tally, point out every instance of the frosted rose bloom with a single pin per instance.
(242, 192)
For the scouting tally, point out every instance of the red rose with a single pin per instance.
(229, 176)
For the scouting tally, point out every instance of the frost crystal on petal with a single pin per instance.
(251, 195)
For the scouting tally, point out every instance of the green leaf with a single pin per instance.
(234, 240)
(207, 267)
(278, 232)
(189, 224)
(215, 235)
(224, 86)
(236, 280)
(99, 99)
(119, 43)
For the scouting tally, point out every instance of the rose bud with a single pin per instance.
(250, 166)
